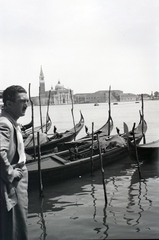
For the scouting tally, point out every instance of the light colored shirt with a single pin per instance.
(20, 147)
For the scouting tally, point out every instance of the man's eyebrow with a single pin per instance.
(23, 99)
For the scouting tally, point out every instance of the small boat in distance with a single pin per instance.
(96, 104)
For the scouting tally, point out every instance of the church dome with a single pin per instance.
(59, 86)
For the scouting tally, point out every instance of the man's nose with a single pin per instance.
(26, 102)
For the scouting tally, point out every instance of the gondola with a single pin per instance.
(138, 131)
(102, 131)
(26, 126)
(144, 152)
(140, 152)
(51, 141)
(105, 130)
(63, 165)
(78, 159)
(27, 129)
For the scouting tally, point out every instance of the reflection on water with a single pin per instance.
(94, 200)
(105, 222)
(114, 190)
(98, 230)
(138, 200)
(41, 221)
(135, 198)
(78, 208)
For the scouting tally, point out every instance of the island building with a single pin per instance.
(103, 96)
(62, 95)
(59, 95)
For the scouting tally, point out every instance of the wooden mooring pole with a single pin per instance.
(39, 168)
(102, 170)
(136, 152)
(92, 149)
(32, 115)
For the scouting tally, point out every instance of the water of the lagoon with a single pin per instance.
(75, 209)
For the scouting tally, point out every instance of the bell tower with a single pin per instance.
(41, 82)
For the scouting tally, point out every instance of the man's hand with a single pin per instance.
(18, 173)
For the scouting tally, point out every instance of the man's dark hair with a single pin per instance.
(10, 93)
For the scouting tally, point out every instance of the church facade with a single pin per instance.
(59, 95)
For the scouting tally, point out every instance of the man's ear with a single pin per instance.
(8, 103)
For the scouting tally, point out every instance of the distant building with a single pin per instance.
(97, 97)
(145, 96)
(126, 97)
(41, 82)
(59, 95)
(103, 96)
(62, 95)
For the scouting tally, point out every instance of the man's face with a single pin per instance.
(19, 106)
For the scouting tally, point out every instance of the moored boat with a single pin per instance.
(138, 132)
(105, 130)
(77, 160)
(27, 129)
(60, 166)
(27, 126)
(140, 152)
(145, 152)
(51, 141)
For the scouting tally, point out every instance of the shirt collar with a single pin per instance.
(5, 114)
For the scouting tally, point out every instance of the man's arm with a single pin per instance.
(7, 171)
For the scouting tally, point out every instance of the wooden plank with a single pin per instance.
(58, 159)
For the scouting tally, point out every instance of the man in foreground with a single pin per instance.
(13, 171)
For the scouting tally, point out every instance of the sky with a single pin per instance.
(87, 45)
